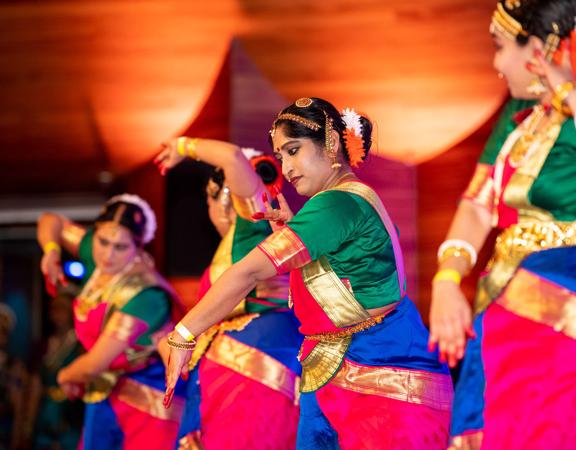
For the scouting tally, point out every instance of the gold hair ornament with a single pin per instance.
(505, 24)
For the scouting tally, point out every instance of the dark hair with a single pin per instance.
(316, 112)
(537, 17)
(126, 214)
(263, 165)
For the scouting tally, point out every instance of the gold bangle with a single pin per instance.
(448, 275)
(51, 245)
(455, 252)
(561, 93)
(181, 345)
(186, 146)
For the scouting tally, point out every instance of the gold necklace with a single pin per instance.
(529, 129)
(91, 296)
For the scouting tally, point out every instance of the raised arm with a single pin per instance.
(240, 176)
(54, 233)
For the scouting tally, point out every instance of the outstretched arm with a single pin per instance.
(222, 297)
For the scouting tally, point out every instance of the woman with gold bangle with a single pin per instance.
(368, 380)
(124, 308)
(516, 389)
(248, 361)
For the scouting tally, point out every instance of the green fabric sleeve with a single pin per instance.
(247, 236)
(85, 254)
(326, 222)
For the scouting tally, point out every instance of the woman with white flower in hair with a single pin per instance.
(124, 307)
(368, 380)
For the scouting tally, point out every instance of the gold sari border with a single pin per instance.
(191, 441)
(285, 249)
(125, 327)
(149, 400)
(480, 190)
(413, 386)
(467, 441)
(322, 363)
(245, 207)
(332, 295)
(534, 298)
(253, 364)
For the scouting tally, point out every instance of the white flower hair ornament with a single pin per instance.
(353, 137)
(250, 153)
(150, 225)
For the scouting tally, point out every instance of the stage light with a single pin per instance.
(74, 269)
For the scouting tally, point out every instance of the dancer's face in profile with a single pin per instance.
(510, 60)
(304, 164)
(113, 247)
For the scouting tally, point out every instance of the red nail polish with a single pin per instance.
(529, 66)
(275, 191)
(258, 215)
(185, 376)
(264, 197)
(280, 223)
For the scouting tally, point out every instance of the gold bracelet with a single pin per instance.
(448, 275)
(561, 93)
(51, 245)
(186, 146)
(181, 345)
(455, 252)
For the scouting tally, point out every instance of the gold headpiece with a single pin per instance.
(294, 118)
(504, 23)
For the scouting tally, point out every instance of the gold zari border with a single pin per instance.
(322, 363)
(245, 207)
(413, 386)
(512, 246)
(541, 301)
(480, 190)
(149, 400)
(191, 441)
(204, 341)
(285, 249)
(332, 295)
(125, 327)
(471, 441)
(253, 364)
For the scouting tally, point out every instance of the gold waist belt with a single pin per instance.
(513, 245)
(518, 241)
(332, 336)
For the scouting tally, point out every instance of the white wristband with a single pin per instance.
(184, 332)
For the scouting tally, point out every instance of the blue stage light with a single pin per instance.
(74, 269)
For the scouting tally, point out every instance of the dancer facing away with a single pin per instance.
(124, 308)
(517, 386)
(368, 380)
(248, 361)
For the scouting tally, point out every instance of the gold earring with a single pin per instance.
(329, 148)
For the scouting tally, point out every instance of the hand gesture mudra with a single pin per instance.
(169, 157)
(276, 216)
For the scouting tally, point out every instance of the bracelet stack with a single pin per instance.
(184, 332)
(181, 345)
